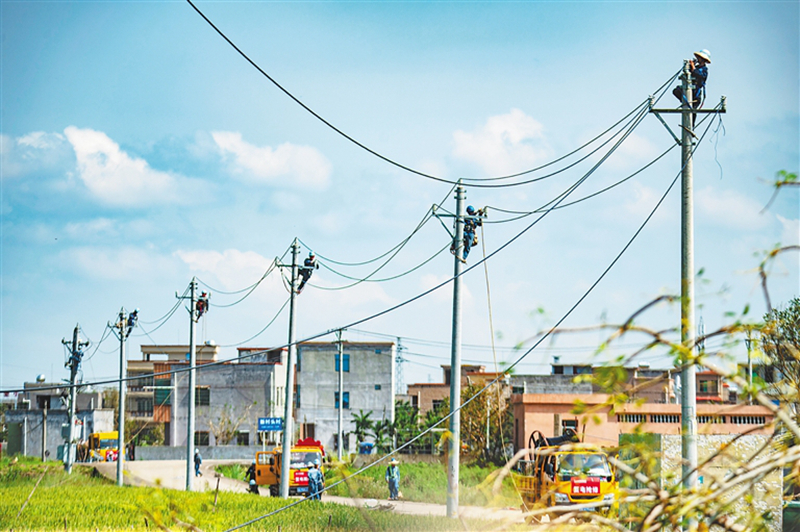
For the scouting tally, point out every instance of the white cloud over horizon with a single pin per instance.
(118, 179)
(506, 143)
(731, 209)
(304, 166)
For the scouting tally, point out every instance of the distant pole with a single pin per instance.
(192, 392)
(122, 327)
(194, 315)
(688, 368)
(749, 368)
(76, 355)
(453, 459)
(291, 362)
(44, 434)
(341, 395)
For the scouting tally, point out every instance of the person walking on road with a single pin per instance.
(393, 479)
(316, 481)
(197, 461)
(250, 475)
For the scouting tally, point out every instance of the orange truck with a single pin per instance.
(268, 466)
(560, 474)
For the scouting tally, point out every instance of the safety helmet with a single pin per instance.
(311, 254)
(704, 54)
(470, 210)
(252, 482)
(316, 461)
(254, 462)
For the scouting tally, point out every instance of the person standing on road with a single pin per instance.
(316, 481)
(250, 475)
(197, 461)
(393, 478)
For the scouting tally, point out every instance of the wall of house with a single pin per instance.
(239, 392)
(28, 435)
(370, 383)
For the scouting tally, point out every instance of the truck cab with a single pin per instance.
(268, 467)
(564, 475)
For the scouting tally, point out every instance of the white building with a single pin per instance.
(369, 381)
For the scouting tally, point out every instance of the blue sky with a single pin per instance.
(139, 150)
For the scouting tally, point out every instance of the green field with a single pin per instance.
(82, 501)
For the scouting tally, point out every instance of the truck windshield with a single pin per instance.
(576, 465)
(107, 444)
(302, 460)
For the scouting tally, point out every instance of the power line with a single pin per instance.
(393, 308)
(360, 144)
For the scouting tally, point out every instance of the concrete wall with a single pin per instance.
(550, 384)
(239, 392)
(224, 452)
(27, 435)
(372, 366)
(766, 495)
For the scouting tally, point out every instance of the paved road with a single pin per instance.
(172, 474)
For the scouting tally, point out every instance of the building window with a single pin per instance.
(437, 403)
(711, 419)
(748, 420)
(162, 392)
(346, 363)
(297, 396)
(202, 396)
(201, 437)
(242, 438)
(377, 386)
(665, 418)
(631, 418)
(144, 407)
(569, 424)
(299, 358)
(708, 387)
(517, 390)
(345, 403)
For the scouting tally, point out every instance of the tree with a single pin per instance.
(227, 426)
(363, 424)
(486, 411)
(406, 424)
(382, 432)
(780, 342)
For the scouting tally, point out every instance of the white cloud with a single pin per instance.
(34, 152)
(116, 178)
(232, 269)
(300, 166)
(790, 236)
(728, 208)
(115, 263)
(505, 144)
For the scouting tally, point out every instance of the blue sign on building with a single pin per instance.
(270, 424)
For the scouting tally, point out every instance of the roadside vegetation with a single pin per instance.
(40, 496)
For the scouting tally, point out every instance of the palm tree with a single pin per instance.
(363, 424)
(382, 432)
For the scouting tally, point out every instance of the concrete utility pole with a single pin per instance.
(74, 363)
(194, 315)
(122, 328)
(341, 394)
(290, 366)
(688, 333)
(454, 454)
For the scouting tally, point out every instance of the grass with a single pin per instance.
(425, 482)
(82, 501)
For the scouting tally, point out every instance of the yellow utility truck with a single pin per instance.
(100, 447)
(559, 473)
(268, 466)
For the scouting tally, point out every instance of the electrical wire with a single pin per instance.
(393, 308)
(251, 289)
(352, 139)
(265, 326)
(402, 243)
(487, 386)
(171, 311)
